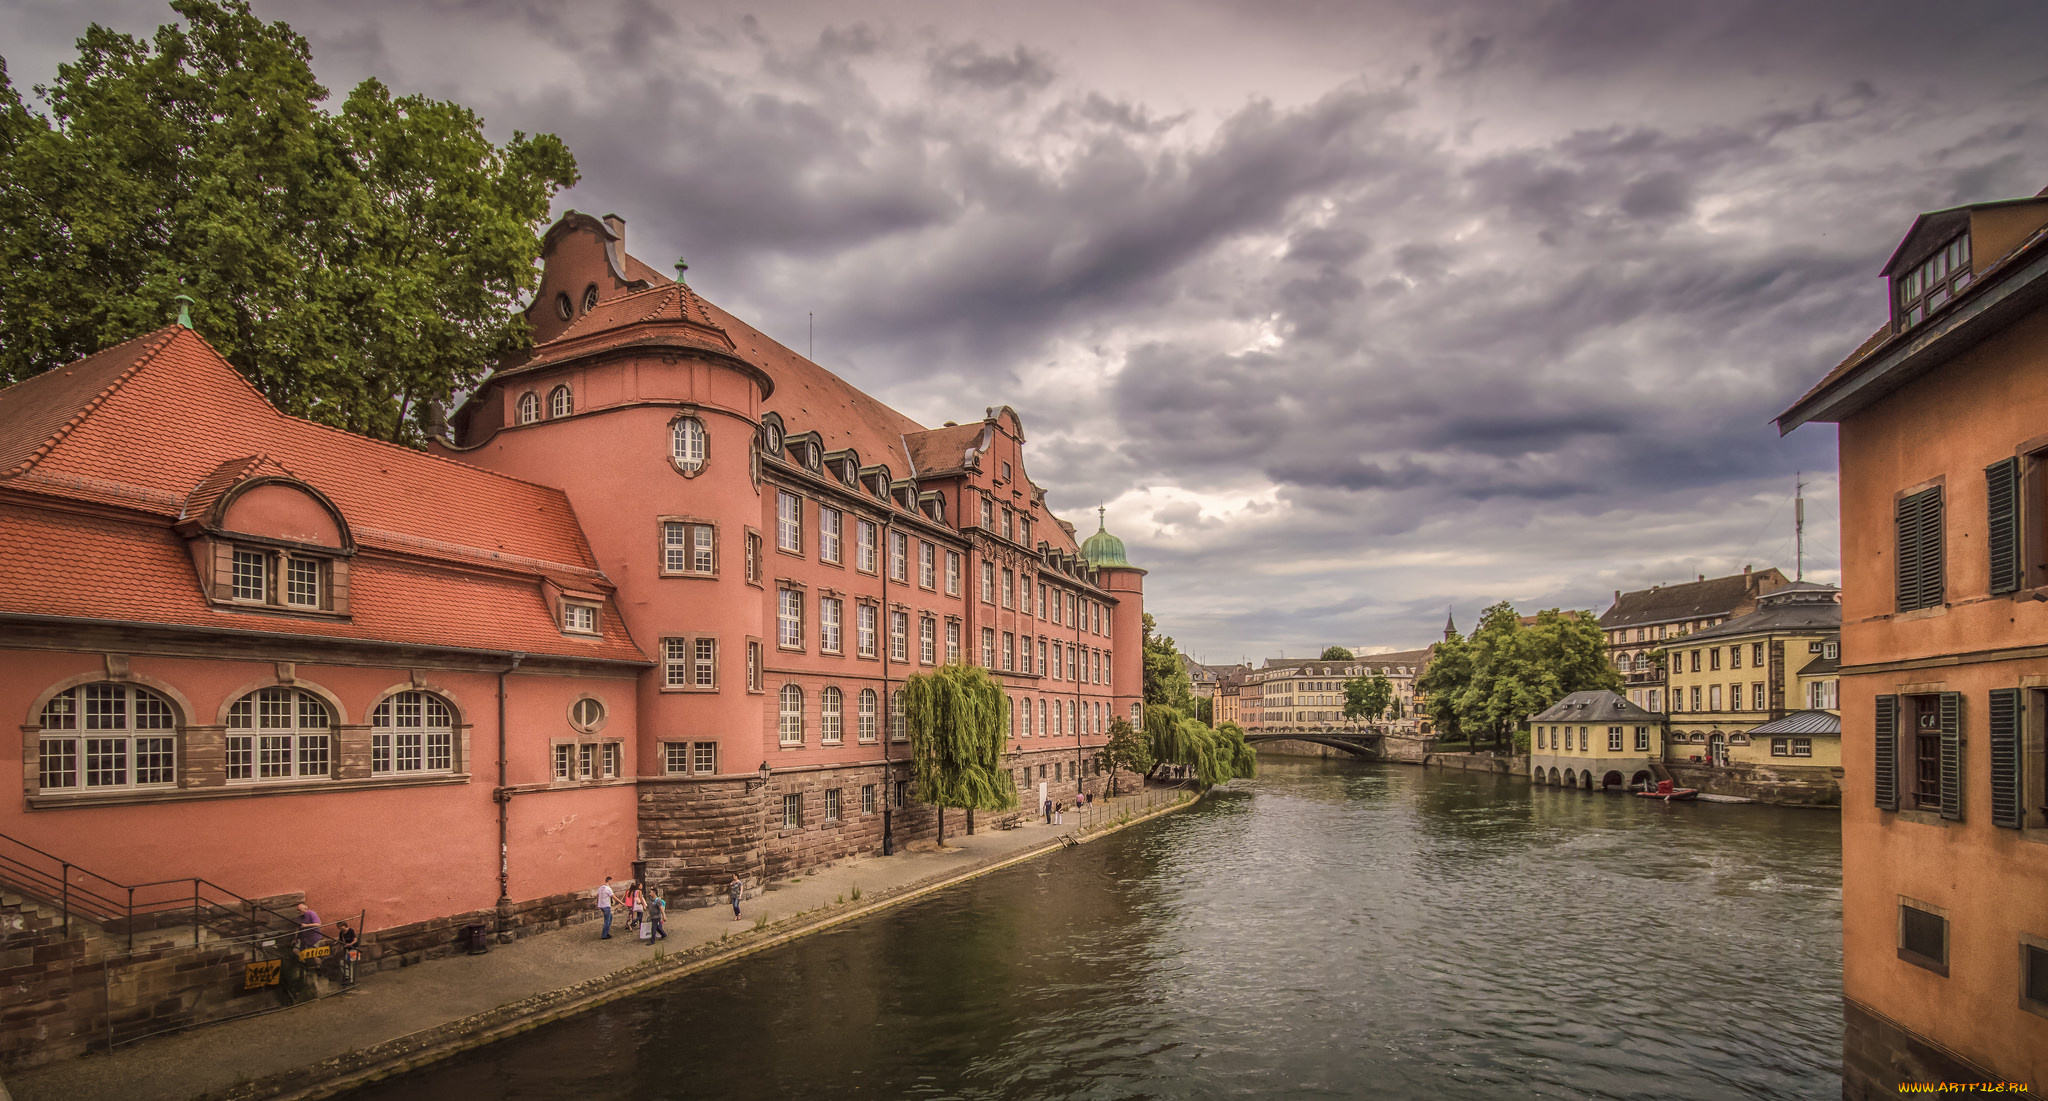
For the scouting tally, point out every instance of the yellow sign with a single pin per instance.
(261, 973)
(317, 952)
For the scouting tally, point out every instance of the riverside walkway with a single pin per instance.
(394, 1020)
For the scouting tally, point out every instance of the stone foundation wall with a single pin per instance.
(1878, 1054)
(1785, 785)
(695, 835)
(1478, 762)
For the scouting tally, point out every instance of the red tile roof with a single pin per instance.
(667, 314)
(942, 450)
(162, 421)
(129, 571)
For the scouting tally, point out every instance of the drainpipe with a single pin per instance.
(503, 797)
(887, 540)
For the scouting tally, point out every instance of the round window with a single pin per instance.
(590, 298)
(586, 714)
(562, 307)
(774, 435)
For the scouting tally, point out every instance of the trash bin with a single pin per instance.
(477, 938)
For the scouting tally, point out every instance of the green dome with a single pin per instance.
(1102, 549)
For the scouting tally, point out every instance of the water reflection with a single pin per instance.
(1332, 929)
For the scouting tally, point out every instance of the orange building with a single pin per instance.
(1944, 678)
(646, 612)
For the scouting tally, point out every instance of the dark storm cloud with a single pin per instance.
(1348, 314)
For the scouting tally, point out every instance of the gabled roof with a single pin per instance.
(1595, 706)
(1818, 613)
(1714, 596)
(2006, 288)
(161, 425)
(944, 450)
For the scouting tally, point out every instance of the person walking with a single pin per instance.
(604, 906)
(637, 903)
(735, 889)
(309, 926)
(659, 911)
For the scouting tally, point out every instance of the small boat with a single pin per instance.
(1668, 793)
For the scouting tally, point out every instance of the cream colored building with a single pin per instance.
(1755, 669)
(1595, 739)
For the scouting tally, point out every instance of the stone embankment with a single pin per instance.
(394, 1021)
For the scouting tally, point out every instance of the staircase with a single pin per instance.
(62, 895)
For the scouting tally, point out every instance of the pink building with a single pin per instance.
(652, 602)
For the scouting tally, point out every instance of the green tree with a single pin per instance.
(1126, 749)
(1336, 653)
(1205, 710)
(1368, 697)
(1166, 677)
(359, 266)
(1443, 683)
(958, 721)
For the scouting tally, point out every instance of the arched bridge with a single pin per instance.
(1364, 743)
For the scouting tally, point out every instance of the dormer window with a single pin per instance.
(529, 407)
(579, 618)
(771, 436)
(560, 404)
(1931, 284)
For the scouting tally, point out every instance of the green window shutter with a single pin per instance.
(2002, 726)
(1907, 561)
(1932, 576)
(2002, 483)
(1887, 756)
(1952, 756)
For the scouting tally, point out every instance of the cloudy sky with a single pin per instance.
(1347, 311)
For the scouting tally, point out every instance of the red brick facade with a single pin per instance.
(664, 574)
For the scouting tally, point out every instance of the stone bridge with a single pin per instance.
(1364, 743)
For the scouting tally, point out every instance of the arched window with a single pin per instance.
(108, 736)
(1027, 718)
(867, 714)
(1059, 725)
(529, 407)
(830, 711)
(792, 715)
(897, 730)
(412, 732)
(686, 443)
(278, 734)
(560, 404)
(1073, 717)
(1044, 725)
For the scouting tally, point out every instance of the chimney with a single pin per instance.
(618, 227)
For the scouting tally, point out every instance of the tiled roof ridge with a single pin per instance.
(168, 333)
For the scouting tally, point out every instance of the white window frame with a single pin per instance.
(789, 618)
(528, 408)
(927, 640)
(89, 731)
(869, 707)
(899, 636)
(303, 577)
(561, 402)
(927, 565)
(952, 642)
(831, 716)
(688, 444)
(254, 737)
(899, 557)
(831, 543)
(867, 624)
(579, 617)
(865, 534)
(412, 732)
(952, 573)
(831, 625)
(789, 522)
(689, 547)
(790, 715)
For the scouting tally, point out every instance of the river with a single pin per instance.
(1332, 929)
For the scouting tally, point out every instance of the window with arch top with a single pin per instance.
(412, 732)
(560, 403)
(686, 444)
(529, 407)
(792, 715)
(279, 734)
(100, 736)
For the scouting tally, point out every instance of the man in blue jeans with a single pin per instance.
(604, 906)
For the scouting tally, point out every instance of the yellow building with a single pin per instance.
(1595, 740)
(1754, 669)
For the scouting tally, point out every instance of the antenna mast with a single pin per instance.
(1798, 528)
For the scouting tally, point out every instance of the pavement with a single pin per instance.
(392, 1021)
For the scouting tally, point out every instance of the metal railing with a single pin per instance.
(124, 909)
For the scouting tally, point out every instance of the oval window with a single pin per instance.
(586, 714)
(687, 444)
(774, 434)
(562, 307)
(590, 298)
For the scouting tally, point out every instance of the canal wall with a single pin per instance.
(1782, 785)
(1478, 762)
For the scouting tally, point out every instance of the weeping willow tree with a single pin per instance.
(958, 721)
(1214, 756)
